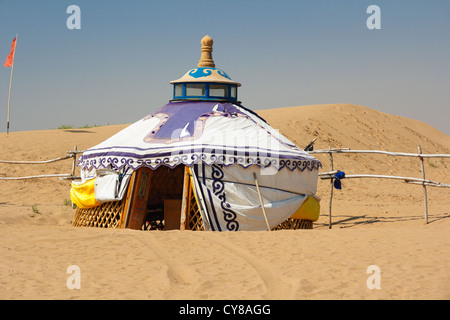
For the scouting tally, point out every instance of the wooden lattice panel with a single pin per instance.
(193, 217)
(294, 224)
(106, 215)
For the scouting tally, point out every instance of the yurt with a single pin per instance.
(203, 161)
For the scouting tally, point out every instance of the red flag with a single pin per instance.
(10, 59)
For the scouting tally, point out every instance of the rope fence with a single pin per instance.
(332, 175)
(72, 154)
(337, 174)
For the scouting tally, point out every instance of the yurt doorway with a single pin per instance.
(164, 199)
(156, 199)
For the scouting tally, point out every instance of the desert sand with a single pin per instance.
(375, 222)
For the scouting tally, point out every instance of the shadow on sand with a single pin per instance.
(345, 221)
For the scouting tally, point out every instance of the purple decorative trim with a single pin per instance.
(121, 161)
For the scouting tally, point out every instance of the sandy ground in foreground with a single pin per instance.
(317, 264)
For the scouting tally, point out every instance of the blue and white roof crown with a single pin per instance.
(206, 70)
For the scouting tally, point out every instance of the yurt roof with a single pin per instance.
(189, 132)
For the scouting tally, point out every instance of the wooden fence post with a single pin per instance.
(74, 164)
(424, 186)
(331, 189)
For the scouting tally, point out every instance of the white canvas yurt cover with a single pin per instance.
(225, 145)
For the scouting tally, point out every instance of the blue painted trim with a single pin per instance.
(205, 72)
(206, 89)
(206, 97)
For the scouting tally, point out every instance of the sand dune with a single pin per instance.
(375, 222)
(361, 128)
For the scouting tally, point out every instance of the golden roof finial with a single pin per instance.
(206, 59)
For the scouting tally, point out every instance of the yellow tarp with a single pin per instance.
(309, 210)
(83, 195)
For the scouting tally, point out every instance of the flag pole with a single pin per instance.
(10, 84)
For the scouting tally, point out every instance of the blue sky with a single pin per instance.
(116, 69)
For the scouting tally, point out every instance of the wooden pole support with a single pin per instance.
(74, 163)
(260, 200)
(424, 186)
(331, 190)
(10, 84)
